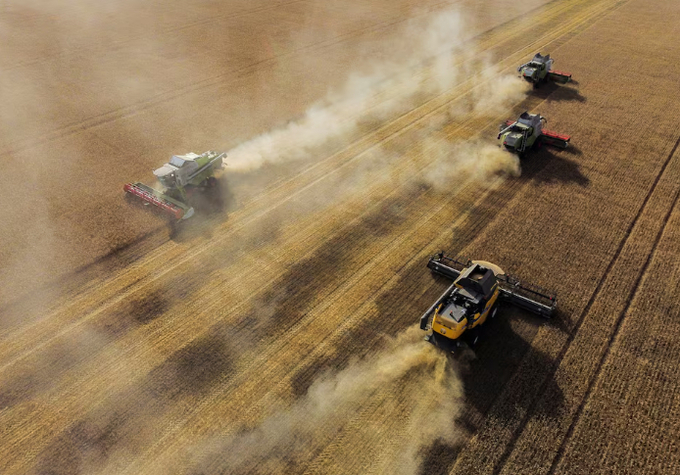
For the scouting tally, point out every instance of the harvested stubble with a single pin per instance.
(610, 233)
(191, 346)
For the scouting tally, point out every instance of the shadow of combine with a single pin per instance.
(553, 92)
(485, 372)
(211, 207)
(567, 94)
(547, 166)
(498, 356)
(573, 150)
(127, 416)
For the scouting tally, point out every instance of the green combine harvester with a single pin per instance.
(539, 70)
(527, 132)
(182, 177)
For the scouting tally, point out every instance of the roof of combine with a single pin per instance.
(179, 160)
(528, 119)
(477, 281)
(541, 59)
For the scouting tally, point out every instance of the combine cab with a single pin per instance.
(477, 290)
(182, 177)
(527, 132)
(539, 70)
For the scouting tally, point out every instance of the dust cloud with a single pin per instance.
(410, 380)
(430, 57)
(470, 160)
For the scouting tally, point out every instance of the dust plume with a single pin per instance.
(470, 160)
(498, 93)
(428, 57)
(425, 404)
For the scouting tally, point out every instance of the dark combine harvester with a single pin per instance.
(539, 70)
(527, 132)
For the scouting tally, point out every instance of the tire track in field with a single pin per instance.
(631, 421)
(619, 320)
(575, 330)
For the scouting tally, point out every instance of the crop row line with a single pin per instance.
(617, 325)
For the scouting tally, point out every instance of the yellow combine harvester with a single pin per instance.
(478, 287)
